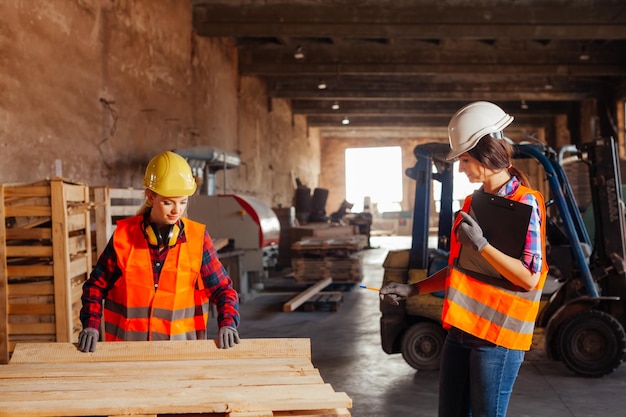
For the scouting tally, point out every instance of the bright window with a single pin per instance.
(375, 173)
(461, 188)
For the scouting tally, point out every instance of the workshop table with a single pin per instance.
(256, 378)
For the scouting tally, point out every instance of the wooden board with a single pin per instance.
(258, 377)
(301, 298)
(161, 351)
(220, 243)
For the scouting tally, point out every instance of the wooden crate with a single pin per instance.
(45, 258)
(110, 205)
(256, 378)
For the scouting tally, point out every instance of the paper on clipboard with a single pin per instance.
(504, 223)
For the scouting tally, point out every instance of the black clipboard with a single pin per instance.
(504, 223)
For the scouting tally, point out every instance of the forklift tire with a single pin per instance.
(591, 343)
(422, 345)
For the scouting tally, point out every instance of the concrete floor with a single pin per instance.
(346, 349)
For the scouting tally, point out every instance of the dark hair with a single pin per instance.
(497, 154)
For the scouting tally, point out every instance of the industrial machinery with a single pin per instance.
(583, 320)
(205, 162)
(249, 224)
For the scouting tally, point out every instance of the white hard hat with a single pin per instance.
(472, 122)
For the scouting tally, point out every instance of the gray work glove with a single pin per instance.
(88, 339)
(469, 232)
(227, 337)
(393, 292)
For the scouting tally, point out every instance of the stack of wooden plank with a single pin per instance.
(256, 378)
(45, 256)
(339, 258)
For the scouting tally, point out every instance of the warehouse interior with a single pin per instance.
(267, 100)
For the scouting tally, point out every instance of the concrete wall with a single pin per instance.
(90, 90)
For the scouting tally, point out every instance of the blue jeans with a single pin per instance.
(476, 376)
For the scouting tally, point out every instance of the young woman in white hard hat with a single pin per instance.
(490, 320)
(159, 270)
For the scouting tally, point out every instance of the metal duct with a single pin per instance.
(205, 161)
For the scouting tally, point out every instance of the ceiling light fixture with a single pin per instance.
(584, 55)
(321, 85)
(548, 85)
(345, 120)
(335, 106)
(299, 54)
(524, 105)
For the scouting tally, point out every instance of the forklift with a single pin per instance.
(583, 320)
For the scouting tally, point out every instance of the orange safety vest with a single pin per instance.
(135, 310)
(503, 314)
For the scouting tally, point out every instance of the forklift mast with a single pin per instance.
(609, 253)
(429, 156)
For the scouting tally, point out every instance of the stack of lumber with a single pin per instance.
(314, 259)
(45, 257)
(256, 378)
(320, 230)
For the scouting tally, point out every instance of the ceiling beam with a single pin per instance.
(588, 20)
(264, 69)
(420, 108)
(414, 120)
(415, 31)
(431, 96)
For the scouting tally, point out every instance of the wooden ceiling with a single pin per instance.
(402, 63)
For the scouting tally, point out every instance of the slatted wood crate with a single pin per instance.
(110, 205)
(256, 378)
(45, 257)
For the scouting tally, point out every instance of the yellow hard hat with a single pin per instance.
(168, 174)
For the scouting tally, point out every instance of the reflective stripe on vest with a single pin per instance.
(135, 310)
(494, 309)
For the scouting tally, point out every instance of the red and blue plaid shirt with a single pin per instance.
(217, 283)
(532, 255)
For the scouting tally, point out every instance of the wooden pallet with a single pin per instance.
(45, 258)
(324, 301)
(256, 378)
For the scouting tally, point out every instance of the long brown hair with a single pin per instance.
(497, 154)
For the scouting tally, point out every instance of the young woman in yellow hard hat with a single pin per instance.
(159, 270)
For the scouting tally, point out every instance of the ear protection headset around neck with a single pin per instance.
(156, 238)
